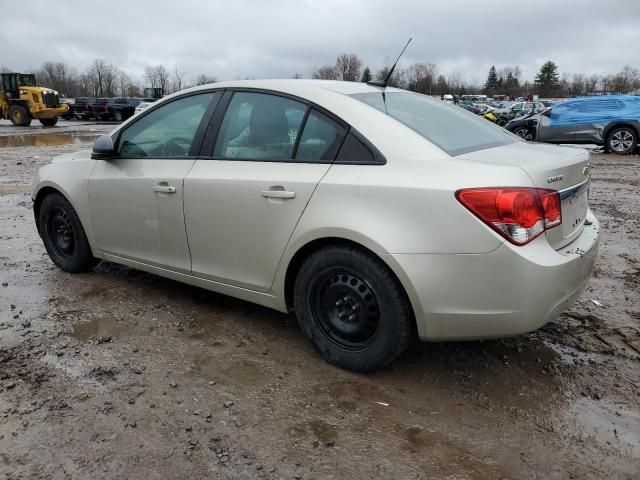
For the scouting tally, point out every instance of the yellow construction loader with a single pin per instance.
(21, 100)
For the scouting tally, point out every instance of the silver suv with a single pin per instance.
(612, 121)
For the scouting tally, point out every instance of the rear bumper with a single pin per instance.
(509, 291)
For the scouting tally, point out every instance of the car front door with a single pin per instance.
(136, 199)
(557, 125)
(243, 202)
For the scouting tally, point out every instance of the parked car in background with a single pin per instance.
(141, 106)
(518, 109)
(612, 121)
(69, 114)
(291, 194)
(80, 108)
(121, 108)
(98, 108)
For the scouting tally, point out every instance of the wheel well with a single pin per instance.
(618, 125)
(37, 202)
(301, 255)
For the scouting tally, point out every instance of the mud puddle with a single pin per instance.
(47, 139)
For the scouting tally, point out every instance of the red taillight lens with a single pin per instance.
(518, 214)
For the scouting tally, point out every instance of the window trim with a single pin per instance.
(213, 130)
(198, 138)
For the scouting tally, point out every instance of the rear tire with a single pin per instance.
(622, 141)
(19, 116)
(63, 235)
(354, 310)
(49, 122)
(501, 121)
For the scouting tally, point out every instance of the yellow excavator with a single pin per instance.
(22, 100)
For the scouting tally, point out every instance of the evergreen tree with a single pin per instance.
(366, 75)
(441, 85)
(547, 80)
(492, 80)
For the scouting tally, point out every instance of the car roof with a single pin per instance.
(302, 87)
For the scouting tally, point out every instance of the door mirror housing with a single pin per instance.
(103, 148)
(546, 113)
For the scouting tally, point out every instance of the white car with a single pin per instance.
(375, 214)
(141, 107)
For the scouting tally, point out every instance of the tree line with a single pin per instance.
(549, 83)
(101, 79)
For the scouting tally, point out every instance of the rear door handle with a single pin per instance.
(163, 188)
(278, 194)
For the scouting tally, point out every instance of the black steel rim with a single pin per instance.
(346, 309)
(60, 231)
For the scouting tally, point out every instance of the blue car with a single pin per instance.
(612, 121)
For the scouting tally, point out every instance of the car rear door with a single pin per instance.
(136, 199)
(557, 125)
(267, 153)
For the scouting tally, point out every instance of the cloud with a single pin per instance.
(277, 38)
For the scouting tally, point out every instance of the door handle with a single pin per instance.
(278, 194)
(163, 188)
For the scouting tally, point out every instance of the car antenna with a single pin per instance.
(383, 83)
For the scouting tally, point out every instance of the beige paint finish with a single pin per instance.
(219, 231)
(136, 208)
(241, 214)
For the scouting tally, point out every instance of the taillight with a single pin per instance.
(518, 214)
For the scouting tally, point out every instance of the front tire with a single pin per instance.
(49, 122)
(622, 140)
(63, 235)
(525, 133)
(354, 310)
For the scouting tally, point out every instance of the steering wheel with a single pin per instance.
(176, 146)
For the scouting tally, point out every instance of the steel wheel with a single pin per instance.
(60, 231)
(345, 309)
(621, 141)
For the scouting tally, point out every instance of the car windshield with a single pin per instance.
(452, 129)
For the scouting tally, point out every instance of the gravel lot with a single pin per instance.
(121, 374)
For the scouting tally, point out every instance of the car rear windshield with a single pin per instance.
(451, 128)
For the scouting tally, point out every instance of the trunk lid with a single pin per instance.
(565, 169)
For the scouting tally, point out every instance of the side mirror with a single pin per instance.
(103, 148)
(547, 112)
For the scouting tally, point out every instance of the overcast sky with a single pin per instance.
(274, 39)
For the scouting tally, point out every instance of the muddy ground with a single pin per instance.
(121, 374)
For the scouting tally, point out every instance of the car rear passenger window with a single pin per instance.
(320, 140)
(355, 151)
(259, 126)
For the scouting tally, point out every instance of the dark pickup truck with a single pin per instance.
(80, 108)
(120, 108)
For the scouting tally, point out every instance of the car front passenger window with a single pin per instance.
(167, 131)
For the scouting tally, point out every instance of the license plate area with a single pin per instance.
(574, 202)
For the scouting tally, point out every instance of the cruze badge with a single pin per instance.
(555, 178)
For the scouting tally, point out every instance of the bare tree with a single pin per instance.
(204, 79)
(326, 72)
(178, 77)
(591, 83)
(348, 67)
(421, 77)
(151, 76)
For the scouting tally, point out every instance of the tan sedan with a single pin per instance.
(378, 215)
